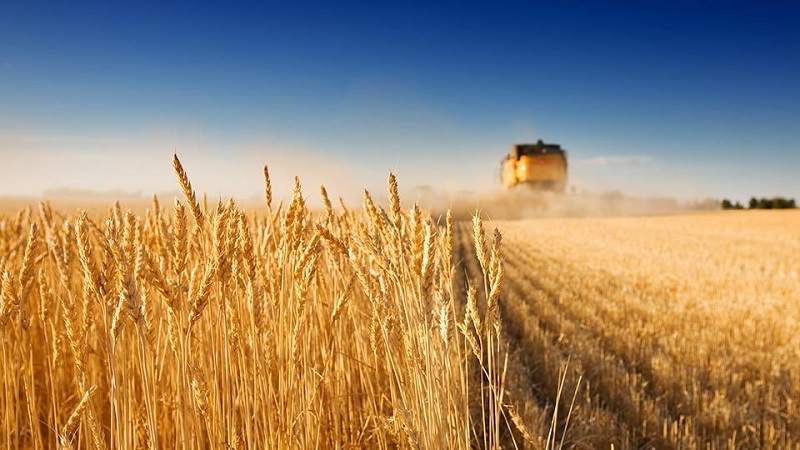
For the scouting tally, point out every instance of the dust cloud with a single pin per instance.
(524, 203)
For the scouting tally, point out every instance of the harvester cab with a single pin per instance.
(539, 166)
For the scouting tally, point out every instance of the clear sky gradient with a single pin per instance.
(682, 99)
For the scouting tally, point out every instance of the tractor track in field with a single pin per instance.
(620, 385)
(542, 335)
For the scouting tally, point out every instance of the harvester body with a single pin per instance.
(539, 166)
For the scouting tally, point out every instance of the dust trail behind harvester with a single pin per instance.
(522, 203)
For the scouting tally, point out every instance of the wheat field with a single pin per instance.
(215, 326)
(192, 326)
(683, 330)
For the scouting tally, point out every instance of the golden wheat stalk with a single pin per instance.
(479, 240)
(326, 201)
(71, 426)
(394, 198)
(8, 300)
(188, 192)
(200, 300)
(267, 188)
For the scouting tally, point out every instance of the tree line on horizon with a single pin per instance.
(761, 203)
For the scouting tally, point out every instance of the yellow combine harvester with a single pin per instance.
(540, 166)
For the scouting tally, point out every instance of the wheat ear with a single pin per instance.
(186, 186)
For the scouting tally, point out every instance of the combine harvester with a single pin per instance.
(535, 179)
(540, 167)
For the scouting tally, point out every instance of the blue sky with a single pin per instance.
(684, 99)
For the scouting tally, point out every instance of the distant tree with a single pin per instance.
(761, 203)
(771, 203)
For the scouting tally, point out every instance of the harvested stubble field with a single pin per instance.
(191, 326)
(686, 329)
